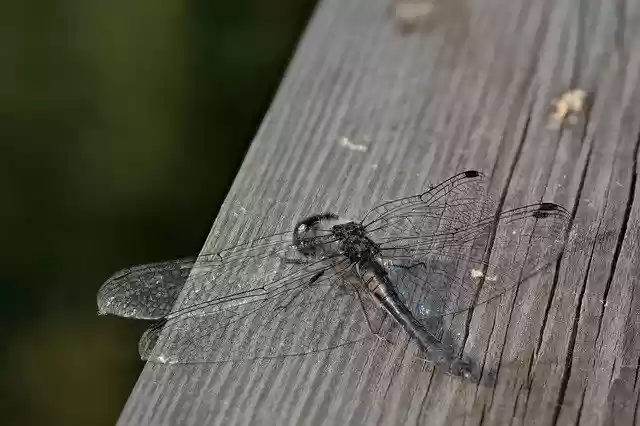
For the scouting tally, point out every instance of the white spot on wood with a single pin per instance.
(476, 273)
(346, 142)
(567, 106)
(411, 12)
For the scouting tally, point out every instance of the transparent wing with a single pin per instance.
(449, 216)
(144, 291)
(432, 216)
(263, 287)
(258, 299)
(296, 310)
(437, 277)
(150, 291)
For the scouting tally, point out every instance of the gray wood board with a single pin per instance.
(472, 90)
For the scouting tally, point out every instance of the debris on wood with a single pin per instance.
(477, 274)
(426, 16)
(411, 14)
(347, 143)
(568, 107)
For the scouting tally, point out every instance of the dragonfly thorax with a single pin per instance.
(327, 234)
(355, 244)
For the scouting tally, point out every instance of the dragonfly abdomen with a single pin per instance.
(436, 352)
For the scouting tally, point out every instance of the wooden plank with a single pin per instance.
(472, 90)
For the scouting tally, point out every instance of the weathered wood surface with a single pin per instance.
(473, 90)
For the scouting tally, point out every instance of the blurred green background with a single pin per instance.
(122, 125)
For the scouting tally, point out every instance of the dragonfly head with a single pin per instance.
(312, 234)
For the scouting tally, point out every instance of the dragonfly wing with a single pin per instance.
(150, 338)
(433, 215)
(456, 213)
(150, 291)
(144, 291)
(486, 264)
(294, 312)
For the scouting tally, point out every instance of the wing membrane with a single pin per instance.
(300, 312)
(454, 203)
(150, 291)
(479, 264)
(144, 291)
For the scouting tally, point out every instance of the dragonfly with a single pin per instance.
(408, 266)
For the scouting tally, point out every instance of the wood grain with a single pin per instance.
(470, 90)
